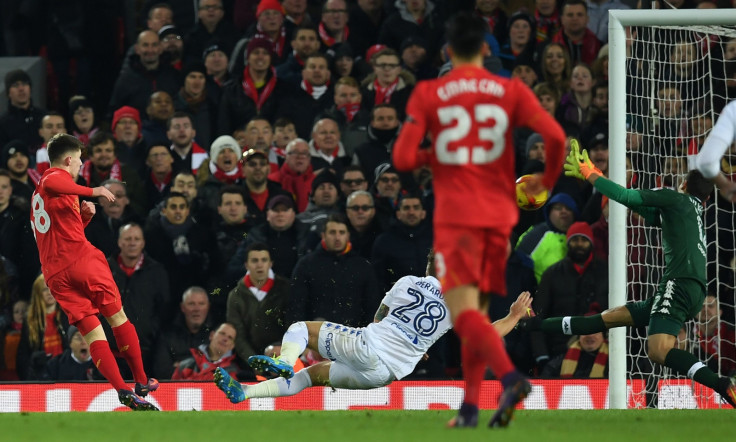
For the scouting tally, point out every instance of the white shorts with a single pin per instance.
(354, 364)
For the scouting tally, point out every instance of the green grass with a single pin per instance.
(374, 426)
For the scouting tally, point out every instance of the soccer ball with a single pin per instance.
(524, 199)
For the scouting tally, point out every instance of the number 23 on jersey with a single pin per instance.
(486, 125)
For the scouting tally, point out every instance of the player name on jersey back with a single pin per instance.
(470, 86)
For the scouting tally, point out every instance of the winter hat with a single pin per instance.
(259, 42)
(325, 177)
(580, 228)
(265, 5)
(126, 112)
(566, 200)
(223, 142)
(286, 200)
(168, 30)
(532, 140)
(78, 101)
(373, 50)
(383, 168)
(598, 139)
(213, 47)
(413, 40)
(10, 149)
(71, 331)
(15, 76)
(521, 15)
(194, 66)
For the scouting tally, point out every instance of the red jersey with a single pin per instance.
(57, 222)
(470, 115)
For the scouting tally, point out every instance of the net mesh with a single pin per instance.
(678, 81)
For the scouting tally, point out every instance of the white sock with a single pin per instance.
(294, 342)
(280, 386)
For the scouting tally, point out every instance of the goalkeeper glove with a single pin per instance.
(587, 168)
(572, 166)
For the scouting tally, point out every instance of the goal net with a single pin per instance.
(677, 80)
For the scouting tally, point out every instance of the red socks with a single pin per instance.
(129, 346)
(106, 363)
(480, 347)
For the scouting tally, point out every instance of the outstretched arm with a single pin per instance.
(406, 153)
(58, 184)
(519, 308)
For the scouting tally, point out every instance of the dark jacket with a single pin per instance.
(236, 108)
(564, 292)
(135, 84)
(199, 367)
(65, 368)
(400, 251)
(352, 133)
(400, 25)
(197, 40)
(258, 323)
(22, 124)
(18, 245)
(399, 98)
(363, 241)
(173, 346)
(102, 231)
(372, 154)
(258, 215)
(301, 108)
(290, 71)
(340, 288)
(31, 361)
(204, 115)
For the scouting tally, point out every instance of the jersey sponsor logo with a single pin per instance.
(412, 337)
(470, 86)
(328, 346)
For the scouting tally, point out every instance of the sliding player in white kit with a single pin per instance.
(720, 139)
(412, 317)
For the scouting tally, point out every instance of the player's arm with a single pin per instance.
(406, 153)
(519, 308)
(381, 313)
(60, 185)
(708, 160)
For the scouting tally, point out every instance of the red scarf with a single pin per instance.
(251, 91)
(231, 177)
(580, 268)
(350, 109)
(570, 363)
(299, 185)
(161, 185)
(279, 44)
(114, 173)
(307, 86)
(546, 26)
(259, 293)
(491, 20)
(348, 248)
(260, 198)
(130, 270)
(329, 40)
(84, 138)
(383, 94)
(51, 336)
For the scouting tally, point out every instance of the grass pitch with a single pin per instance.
(370, 425)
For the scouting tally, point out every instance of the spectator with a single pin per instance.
(325, 147)
(284, 132)
(75, 363)
(159, 16)
(216, 60)
(172, 46)
(323, 201)
(388, 83)
(568, 288)
(222, 169)
(159, 111)
(526, 74)
(586, 356)
(186, 248)
(51, 124)
(271, 26)
(416, 59)
(130, 147)
(43, 335)
(347, 293)
(312, 97)
(103, 229)
(253, 91)
(186, 184)
(296, 174)
(284, 234)
(548, 96)
(206, 358)
(22, 119)
(210, 26)
(388, 187)
(23, 179)
(304, 42)
(188, 154)
(581, 43)
(197, 101)
(82, 118)
(382, 133)
(520, 42)
(364, 227)
(598, 16)
(351, 180)
(715, 339)
(144, 75)
(575, 112)
(259, 187)
(365, 18)
(233, 226)
(333, 29)
(424, 18)
(349, 113)
(555, 66)
(492, 12)
(17, 243)
(259, 136)
(403, 248)
(548, 19)
(256, 306)
(144, 288)
(296, 12)
(160, 176)
(189, 330)
(102, 165)
(11, 337)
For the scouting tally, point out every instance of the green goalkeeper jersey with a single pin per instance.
(681, 217)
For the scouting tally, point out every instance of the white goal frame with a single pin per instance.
(618, 20)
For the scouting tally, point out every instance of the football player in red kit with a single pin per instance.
(77, 273)
(470, 115)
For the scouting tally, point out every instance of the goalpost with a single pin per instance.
(669, 74)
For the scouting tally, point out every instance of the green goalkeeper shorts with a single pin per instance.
(676, 302)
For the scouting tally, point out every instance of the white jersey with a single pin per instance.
(417, 318)
(708, 161)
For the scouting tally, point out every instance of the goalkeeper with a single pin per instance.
(681, 291)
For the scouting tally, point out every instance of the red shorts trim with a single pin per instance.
(86, 287)
(471, 255)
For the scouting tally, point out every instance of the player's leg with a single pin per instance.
(297, 338)
(129, 346)
(99, 349)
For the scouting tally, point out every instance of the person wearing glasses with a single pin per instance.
(352, 179)
(296, 174)
(333, 29)
(210, 27)
(388, 83)
(363, 225)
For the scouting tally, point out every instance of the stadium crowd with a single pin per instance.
(248, 145)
